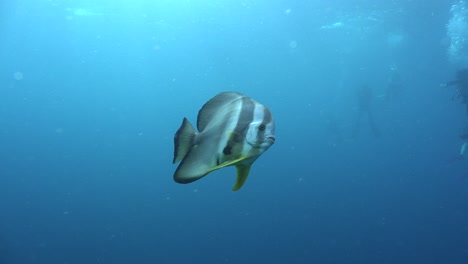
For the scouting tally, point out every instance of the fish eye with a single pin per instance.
(262, 127)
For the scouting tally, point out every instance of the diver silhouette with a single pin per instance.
(394, 86)
(364, 99)
(461, 83)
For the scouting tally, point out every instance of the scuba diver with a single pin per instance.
(364, 107)
(463, 147)
(394, 86)
(461, 92)
(461, 82)
(464, 137)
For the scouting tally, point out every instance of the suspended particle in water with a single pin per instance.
(293, 44)
(18, 76)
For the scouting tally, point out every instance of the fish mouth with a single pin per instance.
(271, 138)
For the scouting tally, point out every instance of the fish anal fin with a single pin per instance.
(194, 166)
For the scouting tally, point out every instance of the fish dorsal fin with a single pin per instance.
(213, 106)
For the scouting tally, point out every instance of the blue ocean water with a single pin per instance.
(92, 92)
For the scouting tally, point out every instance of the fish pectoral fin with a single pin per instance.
(235, 137)
(242, 174)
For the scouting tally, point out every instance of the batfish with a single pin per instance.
(233, 130)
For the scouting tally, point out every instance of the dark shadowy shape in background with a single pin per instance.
(461, 83)
(394, 86)
(364, 99)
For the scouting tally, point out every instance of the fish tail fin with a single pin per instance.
(183, 140)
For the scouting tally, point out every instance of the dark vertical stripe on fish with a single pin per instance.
(246, 115)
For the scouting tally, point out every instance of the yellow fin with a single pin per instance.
(242, 174)
(228, 163)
